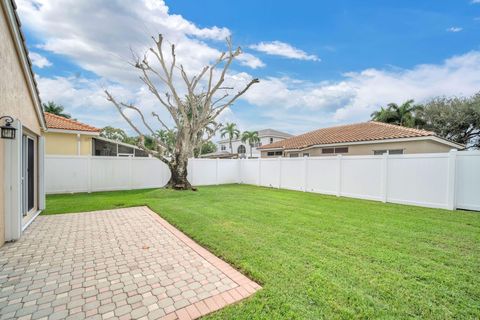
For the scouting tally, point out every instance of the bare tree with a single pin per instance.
(193, 114)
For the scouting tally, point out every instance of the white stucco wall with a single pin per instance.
(238, 142)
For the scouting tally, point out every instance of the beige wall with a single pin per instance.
(409, 147)
(15, 99)
(57, 143)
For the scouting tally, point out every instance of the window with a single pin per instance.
(337, 150)
(270, 153)
(391, 151)
(241, 149)
(379, 152)
(306, 154)
(293, 155)
(341, 150)
(271, 140)
(395, 151)
(278, 153)
(223, 147)
(124, 150)
(104, 148)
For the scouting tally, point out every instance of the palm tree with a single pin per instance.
(52, 107)
(230, 130)
(403, 115)
(251, 137)
(384, 115)
(406, 113)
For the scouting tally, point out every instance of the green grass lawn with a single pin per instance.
(320, 256)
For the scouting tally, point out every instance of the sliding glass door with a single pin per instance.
(29, 175)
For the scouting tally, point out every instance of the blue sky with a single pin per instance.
(320, 63)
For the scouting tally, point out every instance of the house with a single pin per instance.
(267, 136)
(22, 195)
(70, 137)
(366, 138)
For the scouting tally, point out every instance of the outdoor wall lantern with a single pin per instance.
(8, 132)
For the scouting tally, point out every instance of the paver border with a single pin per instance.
(245, 288)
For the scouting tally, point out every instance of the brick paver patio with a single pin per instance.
(113, 264)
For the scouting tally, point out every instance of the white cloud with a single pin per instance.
(250, 60)
(283, 49)
(475, 1)
(103, 45)
(38, 60)
(304, 105)
(455, 29)
(284, 103)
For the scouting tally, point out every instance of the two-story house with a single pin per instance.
(266, 136)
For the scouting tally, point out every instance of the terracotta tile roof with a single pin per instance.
(365, 131)
(57, 122)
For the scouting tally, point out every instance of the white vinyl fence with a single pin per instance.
(443, 180)
(64, 174)
(439, 180)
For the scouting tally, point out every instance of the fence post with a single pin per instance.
(240, 176)
(89, 174)
(130, 173)
(451, 185)
(305, 174)
(339, 177)
(384, 177)
(216, 171)
(259, 171)
(279, 172)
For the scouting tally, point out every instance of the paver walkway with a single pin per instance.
(113, 264)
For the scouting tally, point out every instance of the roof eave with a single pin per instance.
(432, 137)
(71, 131)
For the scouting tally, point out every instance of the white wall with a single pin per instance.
(444, 180)
(64, 174)
(237, 142)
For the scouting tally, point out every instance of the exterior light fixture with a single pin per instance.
(8, 132)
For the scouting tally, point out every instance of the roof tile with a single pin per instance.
(365, 131)
(58, 122)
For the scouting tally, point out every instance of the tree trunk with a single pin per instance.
(178, 168)
(178, 180)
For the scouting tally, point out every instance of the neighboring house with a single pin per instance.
(72, 138)
(22, 195)
(267, 136)
(367, 138)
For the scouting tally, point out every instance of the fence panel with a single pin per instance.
(418, 180)
(108, 174)
(250, 169)
(269, 173)
(228, 171)
(202, 172)
(361, 177)
(468, 180)
(66, 174)
(322, 176)
(292, 173)
(148, 173)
